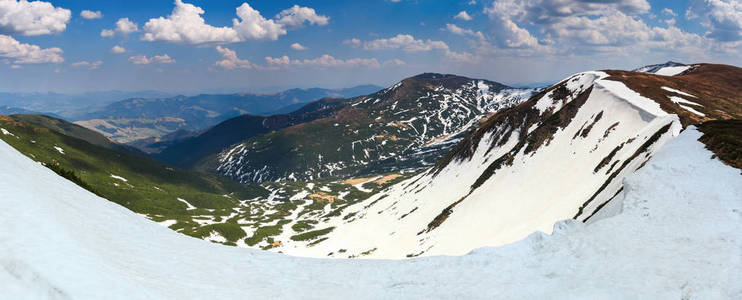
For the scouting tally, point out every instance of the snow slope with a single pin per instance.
(678, 235)
(524, 174)
(667, 69)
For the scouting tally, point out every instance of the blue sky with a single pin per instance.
(167, 45)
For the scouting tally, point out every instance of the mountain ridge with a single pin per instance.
(418, 112)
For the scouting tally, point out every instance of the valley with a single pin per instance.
(417, 203)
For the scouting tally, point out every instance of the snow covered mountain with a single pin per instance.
(669, 68)
(676, 235)
(562, 154)
(406, 127)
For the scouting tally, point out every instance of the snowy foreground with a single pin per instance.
(678, 234)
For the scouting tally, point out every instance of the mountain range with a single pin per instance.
(580, 188)
(133, 119)
(402, 128)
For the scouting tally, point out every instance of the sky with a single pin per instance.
(189, 46)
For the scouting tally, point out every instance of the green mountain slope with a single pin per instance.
(193, 152)
(140, 184)
(76, 131)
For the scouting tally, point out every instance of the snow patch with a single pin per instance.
(119, 178)
(621, 91)
(672, 71)
(188, 204)
(678, 92)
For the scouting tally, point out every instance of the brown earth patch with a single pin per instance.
(724, 138)
(354, 181)
(387, 178)
(321, 197)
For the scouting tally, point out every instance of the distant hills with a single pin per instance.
(142, 118)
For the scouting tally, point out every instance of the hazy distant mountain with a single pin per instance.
(140, 118)
(68, 105)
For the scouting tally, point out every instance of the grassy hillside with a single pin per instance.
(201, 205)
(76, 131)
(190, 152)
(140, 184)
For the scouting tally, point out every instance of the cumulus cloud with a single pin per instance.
(669, 12)
(354, 42)
(463, 15)
(296, 16)
(452, 28)
(32, 18)
(298, 47)
(89, 14)
(118, 49)
(394, 62)
(324, 61)
(19, 53)
(253, 26)
(722, 18)
(124, 27)
(144, 60)
(570, 26)
(405, 42)
(230, 60)
(409, 43)
(186, 25)
(90, 65)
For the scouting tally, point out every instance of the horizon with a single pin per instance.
(187, 47)
(267, 90)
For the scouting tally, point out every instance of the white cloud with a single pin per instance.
(324, 61)
(89, 14)
(452, 28)
(408, 43)
(253, 26)
(107, 33)
(118, 49)
(231, 61)
(124, 27)
(722, 18)
(405, 42)
(463, 15)
(186, 25)
(32, 18)
(353, 43)
(669, 12)
(144, 60)
(90, 65)
(20, 53)
(296, 16)
(394, 62)
(580, 26)
(298, 47)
